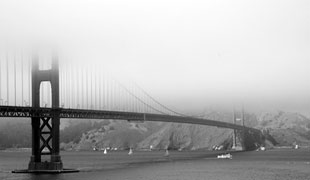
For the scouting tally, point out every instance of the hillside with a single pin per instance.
(286, 128)
(123, 135)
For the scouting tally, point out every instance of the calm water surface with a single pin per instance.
(274, 164)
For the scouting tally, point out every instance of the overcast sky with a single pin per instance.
(188, 54)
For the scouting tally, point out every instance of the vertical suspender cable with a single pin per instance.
(107, 93)
(141, 97)
(77, 87)
(15, 78)
(112, 95)
(103, 91)
(95, 96)
(0, 83)
(134, 101)
(116, 96)
(70, 92)
(100, 84)
(110, 92)
(127, 101)
(131, 99)
(29, 79)
(82, 88)
(68, 85)
(104, 95)
(42, 85)
(119, 97)
(7, 79)
(242, 115)
(64, 85)
(22, 77)
(63, 71)
(72, 89)
(91, 88)
(87, 70)
(60, 86)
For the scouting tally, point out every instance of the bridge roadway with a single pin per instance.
(27, 112)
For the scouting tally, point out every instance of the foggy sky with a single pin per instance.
(190, 55)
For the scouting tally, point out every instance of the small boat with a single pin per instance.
(105, 151)
(225, 156)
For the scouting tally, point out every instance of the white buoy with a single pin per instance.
(105, 151)
(130, 152)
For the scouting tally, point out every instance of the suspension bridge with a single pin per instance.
(47, 91)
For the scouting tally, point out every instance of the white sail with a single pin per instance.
(167, 152)
(130, 151)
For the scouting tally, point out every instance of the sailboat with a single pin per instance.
(167, 152)
(130, 152)
(105, 151)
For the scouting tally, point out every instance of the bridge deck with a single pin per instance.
(27, 112)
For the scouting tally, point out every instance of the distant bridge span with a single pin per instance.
(11, 111)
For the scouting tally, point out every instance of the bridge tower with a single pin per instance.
(238, 136)
(45, 130)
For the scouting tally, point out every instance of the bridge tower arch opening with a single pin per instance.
(45, 94)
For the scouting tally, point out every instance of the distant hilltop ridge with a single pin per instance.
(284, 129)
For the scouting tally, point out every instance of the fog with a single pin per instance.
(190, 55)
